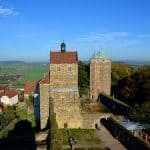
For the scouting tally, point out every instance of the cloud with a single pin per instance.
(8, 11)
(109, 36)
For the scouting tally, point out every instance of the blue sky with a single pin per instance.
(30, 28)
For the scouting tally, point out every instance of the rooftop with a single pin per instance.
(63, 57)
(9, 93)
(30, 87)
(45, 80)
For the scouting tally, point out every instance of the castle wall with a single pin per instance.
(44, 105)
(100, 77)
(66, 107)
(92, 120)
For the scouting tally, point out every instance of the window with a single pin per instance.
(69, 68)
(96, 126)
(65, 125)
(58, 68)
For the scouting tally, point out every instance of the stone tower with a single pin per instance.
(100, 75)
(64, 87)
(61, 87)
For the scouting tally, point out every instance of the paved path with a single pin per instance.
(109, 142)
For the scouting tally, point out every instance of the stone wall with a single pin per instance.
(124, 136)
(66, 107)
(44, 105)
(64, 77)
(100, 77)
(92, 120)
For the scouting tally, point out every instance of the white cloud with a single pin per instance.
(8, 11)
(104, 36)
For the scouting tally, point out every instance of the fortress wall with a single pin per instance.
(44, 105)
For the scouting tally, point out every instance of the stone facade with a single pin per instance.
(44, 105)
(44, 101)
(100, 76)
(64, 76)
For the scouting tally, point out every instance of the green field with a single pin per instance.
(28, 72)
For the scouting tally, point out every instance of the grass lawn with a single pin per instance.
(81, 136)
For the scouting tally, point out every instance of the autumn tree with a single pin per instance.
(136, 88)
(120, 71)
(10, 113)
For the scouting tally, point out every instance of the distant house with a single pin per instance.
(9, 97)
(30, 89)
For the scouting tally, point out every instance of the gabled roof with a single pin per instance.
(63, 57)
(30, 87)
(10, 93)
(45, 80)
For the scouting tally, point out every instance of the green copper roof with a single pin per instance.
(100, 55)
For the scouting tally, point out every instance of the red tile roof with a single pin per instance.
(45, 80)
(63, 57)
(30, 87)
(10, 93)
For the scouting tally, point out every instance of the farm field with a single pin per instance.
(18, 74)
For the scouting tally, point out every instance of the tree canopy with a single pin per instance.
(83, 75)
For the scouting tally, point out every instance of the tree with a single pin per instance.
(141, 113)
(10, 113)
(3, 121)
(83, 78)
(136, 88)
(120, 71)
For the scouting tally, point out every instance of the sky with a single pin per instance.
(29, 29)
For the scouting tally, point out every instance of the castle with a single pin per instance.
(60, 85)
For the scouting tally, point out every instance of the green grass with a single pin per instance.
(80, 135)
(64, 136)
(85, 135)
(30, 71)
